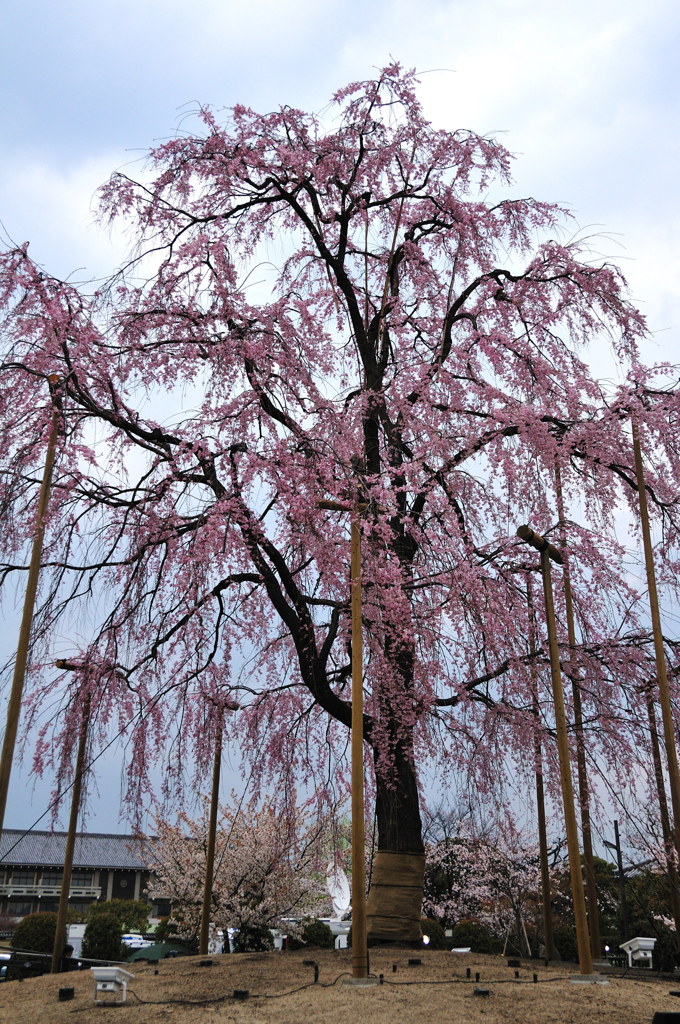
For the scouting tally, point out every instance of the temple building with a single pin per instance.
(105, 867)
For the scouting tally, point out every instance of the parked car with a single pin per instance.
(136, 941)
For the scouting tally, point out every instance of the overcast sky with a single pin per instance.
(585, 94)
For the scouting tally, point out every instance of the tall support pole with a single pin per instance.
(540, 798)
(582, 772)
(212, 832)
(547, 552)
(60, 933)
(359, 946)
(543, 846)
(585, 960)
(659, 654)
(622, 884)
(16, 693)
(665, 817)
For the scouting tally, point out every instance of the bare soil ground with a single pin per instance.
(433, 993)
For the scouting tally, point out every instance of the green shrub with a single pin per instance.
(314, 935)
(102, 939)
(665, 955)
(165, 930)
(565, 942)
(474, 935)
(132, 914)
(36, 932)
(435, 933)
(253, 939)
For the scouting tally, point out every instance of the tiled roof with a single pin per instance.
(93, 850)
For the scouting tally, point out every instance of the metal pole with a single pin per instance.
(540, 799)
(60, 933)
(585, 960)
(16, 693)
(660, 657)
(212, 831)
(586, 832)
(359, 945)
(622, 884)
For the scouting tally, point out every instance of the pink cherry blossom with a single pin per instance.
(342, 306)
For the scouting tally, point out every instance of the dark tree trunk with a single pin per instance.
(396, 895)
(398, 808)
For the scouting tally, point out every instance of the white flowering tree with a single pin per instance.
(268, 867)
(490, 876)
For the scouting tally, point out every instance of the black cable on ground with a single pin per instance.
(331, 984)
(222, 999)
(179, 1002)
(469, 981)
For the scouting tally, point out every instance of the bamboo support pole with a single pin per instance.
(527, 944)
(582, 771)
(622, 883)
(585, 959)
(665, 817)
(16, 693)
(548, 551)
(540, 797)
(545, 868)
(659, 654)
(212, 832)
(359, 945)
(60, 933)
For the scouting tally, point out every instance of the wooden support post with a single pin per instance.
(665, 817)
(622, 883)
(582, 772)
(540, 796)
(359, 945)
(212, 832)
(548, 551)
(585, 959)
(16, 693)
(545, 867)
(659, 654)
(60, 933)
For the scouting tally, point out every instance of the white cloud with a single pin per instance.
(52, 208)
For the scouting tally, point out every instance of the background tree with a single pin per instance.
(488, 876)
(344, 307)
(133, 915)
(266, 868)
(103, 939)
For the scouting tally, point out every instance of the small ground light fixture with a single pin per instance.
(112, 980)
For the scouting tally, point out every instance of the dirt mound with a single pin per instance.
(282, 991)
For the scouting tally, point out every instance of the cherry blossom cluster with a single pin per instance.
(269, 867)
